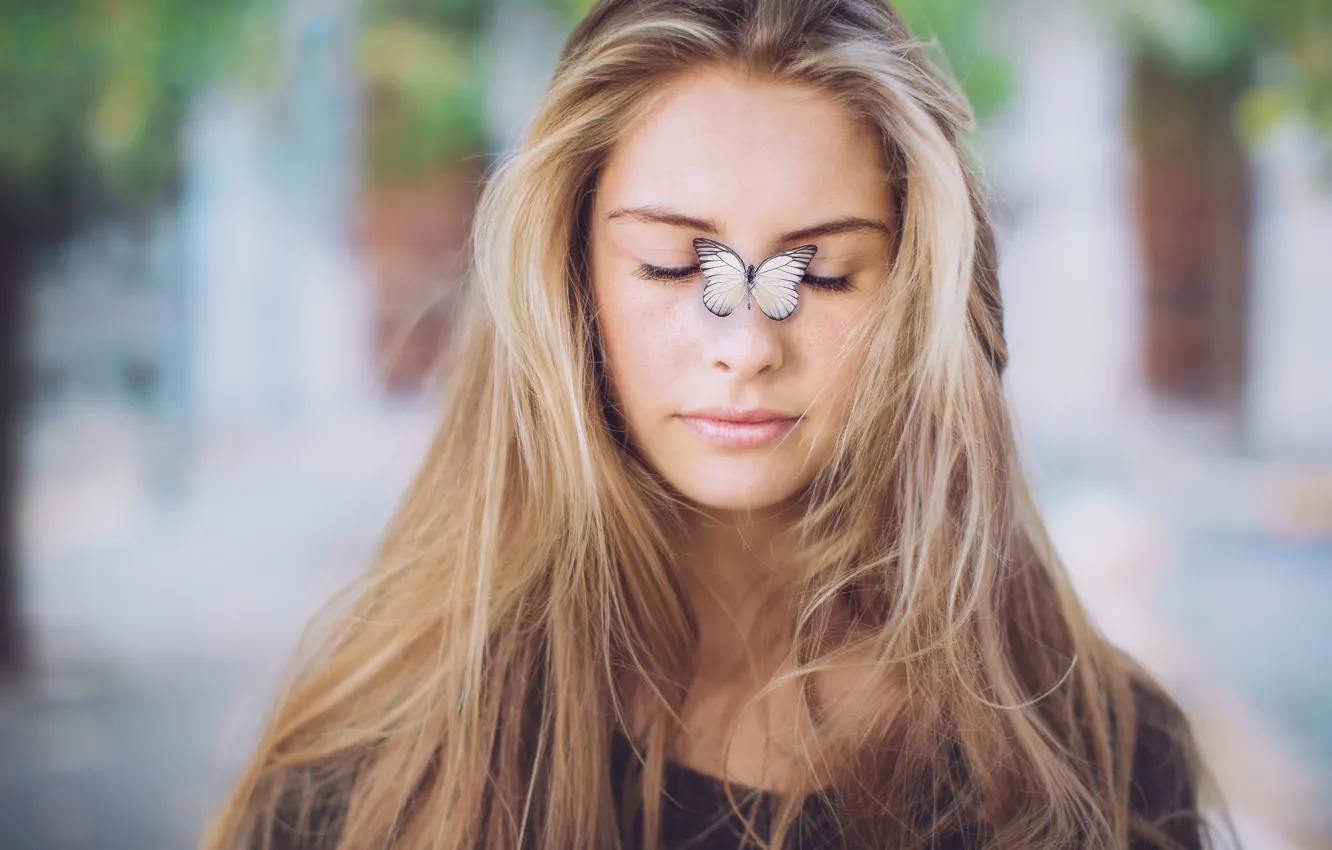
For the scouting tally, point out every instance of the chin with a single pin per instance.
(738, 486)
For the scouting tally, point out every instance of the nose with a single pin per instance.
(746, 343)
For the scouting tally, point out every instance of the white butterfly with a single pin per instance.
(727, 280)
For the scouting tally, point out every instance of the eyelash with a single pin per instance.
(831, 284)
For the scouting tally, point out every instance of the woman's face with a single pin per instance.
(738, 412)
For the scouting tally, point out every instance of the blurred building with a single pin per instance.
(1073, 267)
(1288, 398)
(1189, 518)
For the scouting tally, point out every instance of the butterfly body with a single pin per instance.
(728, 280)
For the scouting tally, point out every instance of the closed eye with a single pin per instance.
(832, 284)
(648, 271)
(651, 272)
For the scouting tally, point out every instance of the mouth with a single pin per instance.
(739, 428)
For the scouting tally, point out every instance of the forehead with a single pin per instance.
(753, 155)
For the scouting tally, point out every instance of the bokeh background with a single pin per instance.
(230, 240)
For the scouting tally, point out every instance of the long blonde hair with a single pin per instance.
(468, 694)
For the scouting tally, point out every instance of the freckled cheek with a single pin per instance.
(647, 345)
(831, 348)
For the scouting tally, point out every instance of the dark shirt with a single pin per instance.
(696, 813)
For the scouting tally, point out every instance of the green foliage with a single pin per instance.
(957, 31)
(458, 16)
(424, 65)
(572, 11)
(94, 92)
(1287, 42)
(421, 64)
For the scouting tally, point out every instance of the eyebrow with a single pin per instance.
(666, 215)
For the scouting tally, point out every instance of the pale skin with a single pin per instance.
(761, 167)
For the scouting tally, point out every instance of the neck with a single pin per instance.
(741, 574)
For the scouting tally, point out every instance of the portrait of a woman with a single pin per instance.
(723, 539)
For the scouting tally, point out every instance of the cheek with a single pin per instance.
(832, 349)
(646, 348)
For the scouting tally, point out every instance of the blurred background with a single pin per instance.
(230, 238)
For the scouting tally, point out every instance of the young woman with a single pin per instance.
(723, 540)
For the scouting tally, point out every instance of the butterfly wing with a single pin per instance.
(723, 276)
(776, 278)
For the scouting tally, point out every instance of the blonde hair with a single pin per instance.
(469, 694)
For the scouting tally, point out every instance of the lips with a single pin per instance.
(739, 428)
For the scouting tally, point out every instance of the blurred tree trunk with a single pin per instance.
(1194, 209)
(18, 242)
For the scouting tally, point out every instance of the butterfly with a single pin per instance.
(727, 280)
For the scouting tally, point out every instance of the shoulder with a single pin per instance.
(1164, 768)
